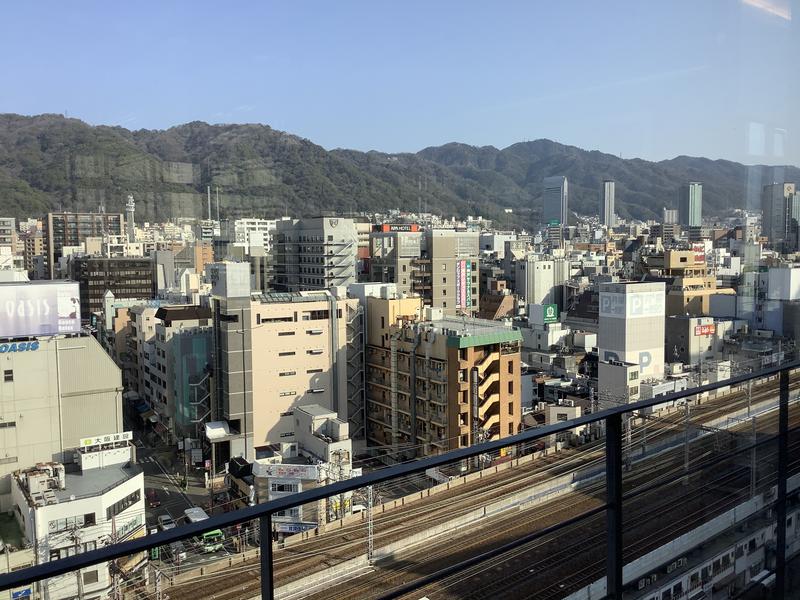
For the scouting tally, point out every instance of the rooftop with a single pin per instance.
(94, 482)
(291, 297)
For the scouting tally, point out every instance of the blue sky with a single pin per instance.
(711, 78)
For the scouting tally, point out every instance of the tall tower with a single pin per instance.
(607, 216)
(690, 204)
(130, 209)
(555, 201)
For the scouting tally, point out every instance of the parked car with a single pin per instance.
(165, 522)
(153, 499)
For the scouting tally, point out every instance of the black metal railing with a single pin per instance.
(613, 507)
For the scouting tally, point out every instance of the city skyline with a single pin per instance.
(403, 78)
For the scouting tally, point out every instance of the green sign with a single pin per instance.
(550, 312)
(553, 222)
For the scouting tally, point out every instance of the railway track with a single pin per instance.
(535, 566)
(337, 546)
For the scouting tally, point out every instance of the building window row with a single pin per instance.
(121, 505)
(71, 523)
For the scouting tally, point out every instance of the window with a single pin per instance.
(510, 368)
(121, 505)
(287, 373)
(314, 371)
(561, 417)
(510, 387)
(4, 424)
(288, 413)
(283, 487)
(510, 429)
(282, 333)
(444, 280)
(285, 353)
(510, 408)
(288, 393)
(8, 375)
(632, 391)
(634, 375)
(90, 577)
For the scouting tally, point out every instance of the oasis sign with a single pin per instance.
(19, 347)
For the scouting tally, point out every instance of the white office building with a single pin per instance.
(631, 328)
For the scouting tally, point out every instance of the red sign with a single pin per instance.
(699, 253)
(705, 329)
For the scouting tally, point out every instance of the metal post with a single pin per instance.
(614, 508)
(370, 549)
(753, 459)
(780, 503)
(265, 533)
(686, 442)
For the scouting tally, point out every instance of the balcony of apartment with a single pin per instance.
(693, 492)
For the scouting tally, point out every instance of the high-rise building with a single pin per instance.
(555, 201)
(441, 265)
(607, 216)
(780, 206)
(72, 229)
(450, 264)
(182, 363)
(670, 216)
(124, 277)
(690, 204)
(631, 328)
(395, 250)
(276, 351)
(33, 246)
(8, 233)
(315, 254)
(439, 384)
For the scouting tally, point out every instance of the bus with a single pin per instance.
(210, 541)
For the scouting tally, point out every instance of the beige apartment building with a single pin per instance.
(691, 287)
(277, 351)
(438, 384)
(54, 391)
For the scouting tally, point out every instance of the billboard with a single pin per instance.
(28, 309)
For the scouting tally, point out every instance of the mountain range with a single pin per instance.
(49, 162)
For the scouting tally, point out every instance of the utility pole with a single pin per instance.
(749, 396)
(76, 545)
(370, 549)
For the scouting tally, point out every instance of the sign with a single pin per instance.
(550, 313)
(464, 284)
(19, 347)
(39, 309)
(705, 329)
(280, 470)
(632, 306)
(111, 438)
(554, 222)
(23, 593)
(294, 527)
(699, 250)
(400, 227)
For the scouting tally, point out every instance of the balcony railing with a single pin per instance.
(618, 455)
